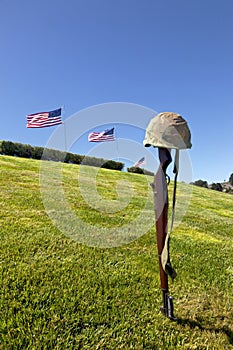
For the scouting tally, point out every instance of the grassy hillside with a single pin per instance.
(57, 293)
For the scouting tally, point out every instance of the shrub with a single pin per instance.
(201, 183)
(216, 187)
(231, 179)
(8, 148)
(27, 151)
(135, 170)
(111, 164)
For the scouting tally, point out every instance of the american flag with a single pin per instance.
(106, 135)
(43, 119)
(140, 162)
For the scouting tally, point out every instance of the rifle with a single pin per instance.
(159, 186)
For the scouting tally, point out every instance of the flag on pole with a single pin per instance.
(106, 135)
(43, 119)
(140, 162)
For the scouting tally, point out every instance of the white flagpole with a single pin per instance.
(64, 127)
(117, 150)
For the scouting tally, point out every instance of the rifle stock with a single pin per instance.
(161, 215)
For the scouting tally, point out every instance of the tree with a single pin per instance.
(8, 148)
(231, 179)
(201, 183)
(135, 170)
(216, 187)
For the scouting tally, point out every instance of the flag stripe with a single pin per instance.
(140, 162)
(44, 119)
(107, 135)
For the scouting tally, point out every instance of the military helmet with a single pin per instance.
(168, 130)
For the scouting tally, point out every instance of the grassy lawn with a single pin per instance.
(58, 293)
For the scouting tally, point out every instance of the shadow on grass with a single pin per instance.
(196, 324)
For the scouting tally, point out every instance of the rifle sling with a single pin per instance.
(165, 258)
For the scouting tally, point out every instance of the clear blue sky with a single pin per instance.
(165, 55)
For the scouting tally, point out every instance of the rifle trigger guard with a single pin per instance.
(168, 179)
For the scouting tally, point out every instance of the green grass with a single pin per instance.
(57, 293)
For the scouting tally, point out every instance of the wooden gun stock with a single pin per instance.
(161, 215)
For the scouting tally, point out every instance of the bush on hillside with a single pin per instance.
(27, 151)
(7, 148)
(73, 158)
(231, 179)
(37, 152)
(200, 183)
(111, 164)
(216, 187)
(135, 170)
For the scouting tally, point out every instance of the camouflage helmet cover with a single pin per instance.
(168, 130)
